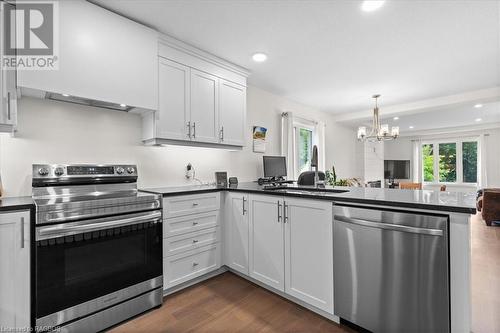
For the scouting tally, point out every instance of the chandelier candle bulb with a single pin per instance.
(361, 132)
(378, 132)
(395, 131)
(384, 130)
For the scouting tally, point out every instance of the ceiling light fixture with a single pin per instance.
(371, 5)
(65, 95)
(123, 105)
(259, 57)
(411, 127)
(378, 132)
(477, 106)
(478, 119)
(395, 118)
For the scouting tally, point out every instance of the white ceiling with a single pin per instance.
(333, 56)
(445, 118)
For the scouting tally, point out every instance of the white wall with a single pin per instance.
(374, 162)
(56, 132)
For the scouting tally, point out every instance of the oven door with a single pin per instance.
(84, 266)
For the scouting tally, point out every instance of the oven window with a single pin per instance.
(75, 269)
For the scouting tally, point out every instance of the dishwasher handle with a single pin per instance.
(389, 226)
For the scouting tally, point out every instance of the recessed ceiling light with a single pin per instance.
(411, 127)
(65, 95)
(477, 106)
(478, 119)
(371, 5)
(259, 57)
(123, 105)
(395, 118)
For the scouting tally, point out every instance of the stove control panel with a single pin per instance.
(51, 173)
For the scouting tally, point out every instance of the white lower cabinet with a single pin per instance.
(15, 273)
(191, 242)
(309, 252)
(185, 266)
(267, 257)
(236, 231)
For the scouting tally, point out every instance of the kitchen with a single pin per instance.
(74, 145)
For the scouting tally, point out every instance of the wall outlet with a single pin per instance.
(189, 171)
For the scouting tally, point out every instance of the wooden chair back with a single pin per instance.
(410, 186)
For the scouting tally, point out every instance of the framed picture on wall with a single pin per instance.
(259, 139)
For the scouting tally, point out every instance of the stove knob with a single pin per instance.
(59, 171)
(43, 171)
(120, 170)
(130, 170)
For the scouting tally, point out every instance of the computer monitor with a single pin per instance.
(274, 166)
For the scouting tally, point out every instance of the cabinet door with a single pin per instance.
(15, 272)
(204, 107)
(267, 257)
(173, 115)
(232, 109)
(237, 231)
(8, 105)
(309, 252)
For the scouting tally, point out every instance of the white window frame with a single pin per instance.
(297, 124)
(459, 160)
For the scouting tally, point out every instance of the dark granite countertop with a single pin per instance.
(16, 203)
(455, 202)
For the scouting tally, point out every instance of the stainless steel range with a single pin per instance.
(98, 246)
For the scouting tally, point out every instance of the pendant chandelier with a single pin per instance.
(378, 132)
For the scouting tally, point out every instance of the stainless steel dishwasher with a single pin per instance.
(391, 271)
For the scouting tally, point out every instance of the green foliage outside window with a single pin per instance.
(305, 149)
(448, 162)
(428, 162)
(469, 162)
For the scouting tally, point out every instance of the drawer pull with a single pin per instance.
(195, 241)
(195, 223)
(195, 204)
(195, 264)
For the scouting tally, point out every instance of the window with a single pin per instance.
(428, 162)
(304, 149)
(450, 161)
(304, 136)
(469, 161)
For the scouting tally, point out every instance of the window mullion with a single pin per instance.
(436, 162)
(460, 174)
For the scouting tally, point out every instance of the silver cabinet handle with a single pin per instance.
(279, 211)
(189, 129)
(389, 226)
(194, 130)
(222, 133)
(195, 204)
(8, 106)
(285, 212)
(195, 241)
(243, 202)
(195, 223)
(22, 232)
(195, 264)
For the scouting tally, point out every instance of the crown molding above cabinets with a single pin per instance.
(201, 99)
(104, 60)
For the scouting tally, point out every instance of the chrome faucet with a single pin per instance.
(315, 164)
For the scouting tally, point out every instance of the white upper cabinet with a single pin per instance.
(267, 258)
(174, 111)
(309, 252)
(232, 105)
(8, 94)
(204, 107)
(102, 56)
(15, 273)
(212, 103)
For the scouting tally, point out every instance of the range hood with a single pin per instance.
(87, 101)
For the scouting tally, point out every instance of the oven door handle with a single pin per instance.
(73, 228)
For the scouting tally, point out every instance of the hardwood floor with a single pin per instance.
(228, 303)
(485, 245)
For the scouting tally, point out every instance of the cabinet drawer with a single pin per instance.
(191, 241)
(190, 204)
(185, 224)
(183, 267)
